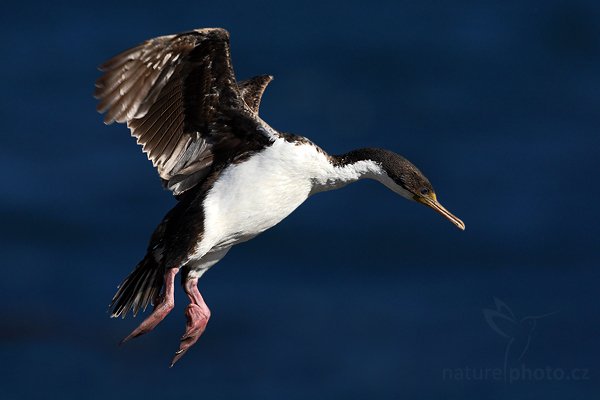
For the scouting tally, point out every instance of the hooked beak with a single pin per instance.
(431, 201)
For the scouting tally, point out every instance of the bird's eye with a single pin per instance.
(424, 191)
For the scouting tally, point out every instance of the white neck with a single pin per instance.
(335, 177)
(305, 161)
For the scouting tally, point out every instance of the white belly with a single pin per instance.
(253, 196)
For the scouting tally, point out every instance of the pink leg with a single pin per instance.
(162, 308)
(197, 314)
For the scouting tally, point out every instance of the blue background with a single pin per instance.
(359, 293)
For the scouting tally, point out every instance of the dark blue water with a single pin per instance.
(359, 294)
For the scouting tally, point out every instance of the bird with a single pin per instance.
(232, 174)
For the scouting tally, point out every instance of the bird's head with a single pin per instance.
(402, 177)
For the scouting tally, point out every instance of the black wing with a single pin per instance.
(180, 99)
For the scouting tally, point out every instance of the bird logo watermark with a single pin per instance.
(518, 333)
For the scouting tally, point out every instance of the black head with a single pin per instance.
(401, 176)
(404, 174)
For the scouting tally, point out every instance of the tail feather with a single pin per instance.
(139, 289)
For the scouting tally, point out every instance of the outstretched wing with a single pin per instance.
(180, 99)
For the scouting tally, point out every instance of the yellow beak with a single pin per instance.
(431, 201)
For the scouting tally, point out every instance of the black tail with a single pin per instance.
(139, 289)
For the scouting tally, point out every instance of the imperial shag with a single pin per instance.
(233, 175)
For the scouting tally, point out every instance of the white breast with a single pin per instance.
(253, 196)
